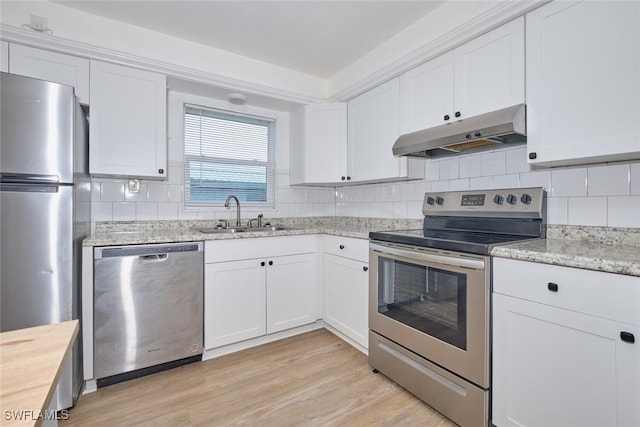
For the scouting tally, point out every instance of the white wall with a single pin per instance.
(74, 25)
(594, 195)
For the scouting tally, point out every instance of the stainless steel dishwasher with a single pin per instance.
(148, 309)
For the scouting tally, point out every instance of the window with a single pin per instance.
(228, 153)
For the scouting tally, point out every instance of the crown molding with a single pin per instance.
(30, 38)
(502, 13)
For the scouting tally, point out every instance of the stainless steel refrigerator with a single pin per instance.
(45, 196)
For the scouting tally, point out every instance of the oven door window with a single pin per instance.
(431, 300)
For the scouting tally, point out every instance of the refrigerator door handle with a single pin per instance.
(15, 178)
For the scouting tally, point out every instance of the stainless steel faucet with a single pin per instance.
(226, 205)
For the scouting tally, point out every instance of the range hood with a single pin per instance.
(483, 132)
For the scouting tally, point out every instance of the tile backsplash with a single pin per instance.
(596, 195)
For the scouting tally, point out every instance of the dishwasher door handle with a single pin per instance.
(153, 258)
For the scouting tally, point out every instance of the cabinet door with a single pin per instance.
(427, 94)
(319, 144)
(374, 125)
(489, 71)
(291, 293)
(583, 82)
(4, 57)
(128, 122)
(51, 66)
(555, 367)
(346, 285)
(234, 302)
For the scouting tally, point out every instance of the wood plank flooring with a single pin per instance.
(313, 379)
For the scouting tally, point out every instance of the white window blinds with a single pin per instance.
(228, 153)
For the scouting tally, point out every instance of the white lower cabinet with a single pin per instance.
(345, 279)
(564, 350)
(257, 286)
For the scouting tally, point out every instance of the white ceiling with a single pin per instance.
(315, 37)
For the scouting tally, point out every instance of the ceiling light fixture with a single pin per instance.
(237, 98)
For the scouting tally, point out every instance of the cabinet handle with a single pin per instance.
(341, 246)
(343, 178)
(533, 155)
(553, 287)
(627, 337)
(262, 264)
(270, 262)
(365, 268)
(446, 117)
(348, 178)
(160, 171)
(457, 114)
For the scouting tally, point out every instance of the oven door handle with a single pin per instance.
(476, 264)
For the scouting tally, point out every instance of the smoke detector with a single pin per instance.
(237, 98)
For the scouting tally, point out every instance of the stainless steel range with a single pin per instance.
(429, 296)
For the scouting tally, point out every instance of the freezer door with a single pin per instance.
(37, 128)
(36, 255)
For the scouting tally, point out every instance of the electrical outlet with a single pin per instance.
(39, 23)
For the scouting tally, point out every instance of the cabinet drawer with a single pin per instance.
(257, 247)
(347, 247)
(606, 295)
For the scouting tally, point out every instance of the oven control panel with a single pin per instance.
(527, 202)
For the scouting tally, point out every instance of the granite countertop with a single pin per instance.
(607, 249)
(31, 361)
(132, 233)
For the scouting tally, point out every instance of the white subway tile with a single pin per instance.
(517, 160)
(102, 211)
(432, 170)
(421, 188)
(112, 191)
(408, 192)
(536, 179)
(569, 182)
(459, 184)
(506, 181)
(609, 180)
(96, 191)
(157, 192)
(481, 183)
(493, 163)
(414, 210)
(587, 211)
(209, 215)
(146, 211)
(124, 211)
(623, 211)
(400, 210)
(187, 215)
(470, 166)
(168, 211)
(140, 196)
(450, 169)
(635, 178)
(557, 210)
(175, 193)
(175, 175)
(440, 186)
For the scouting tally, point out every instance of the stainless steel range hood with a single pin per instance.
(478, 133)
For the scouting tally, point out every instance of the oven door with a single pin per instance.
(434, 303)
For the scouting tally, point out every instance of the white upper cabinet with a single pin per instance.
(319, 144)
(373, 127)
(4, 57)
(480, 76)
(583, 82)
(128, 131)
(51, 66)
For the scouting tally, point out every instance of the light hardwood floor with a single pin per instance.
(313, 379)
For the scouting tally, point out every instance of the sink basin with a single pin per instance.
(243, 229)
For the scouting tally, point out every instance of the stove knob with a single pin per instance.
(526, 199)
(498, 199)
(512, 199)
(439, 201)
(430, 200)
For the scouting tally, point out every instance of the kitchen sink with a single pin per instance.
(231, 230)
